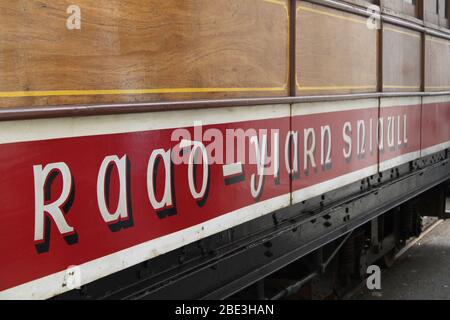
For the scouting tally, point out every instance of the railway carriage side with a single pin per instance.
(156, 149)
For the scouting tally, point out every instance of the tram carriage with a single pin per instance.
(198, 149)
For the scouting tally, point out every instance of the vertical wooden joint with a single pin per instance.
(293, 48)
(420, 9)
(422, 62)
(380, 57)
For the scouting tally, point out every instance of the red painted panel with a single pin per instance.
(20, 260)
(401, 131)
(435, 124)
(340, 165)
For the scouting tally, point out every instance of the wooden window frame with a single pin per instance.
(438, 25)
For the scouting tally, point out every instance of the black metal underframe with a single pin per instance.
(221, 265)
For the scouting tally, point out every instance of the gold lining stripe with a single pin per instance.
(303, 8)
(400, 87)
(18, 94)
(447, 43)
(402, 32)
(438, 87)
(347, 87)
(278, 2)
(301, 88)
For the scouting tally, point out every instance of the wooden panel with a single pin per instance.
(430, 12)
(443, 13)
(336, 52)
(437, 68)
(407, 7)
(142, 50)
(402, 50)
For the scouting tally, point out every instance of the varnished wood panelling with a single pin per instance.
(336, 52)
(436, 12)
(402, 50)
(443, 13)
(431, 12)
(437, 66)
(400, 6)
(142, 50)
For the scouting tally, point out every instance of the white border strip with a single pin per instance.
(333, 184)
(436, 148)
(436, 99)
(307, 108)
(399, 160)
(53, 285)
(400, 102)
(441, 146)
(47, 129)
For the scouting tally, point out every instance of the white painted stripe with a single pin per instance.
(400, 102)
(436, 99)
(436, 148)
(399, 160)
(52, 285)
(45, 129)
(323, 187)
(233, 169)
(308, 108)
